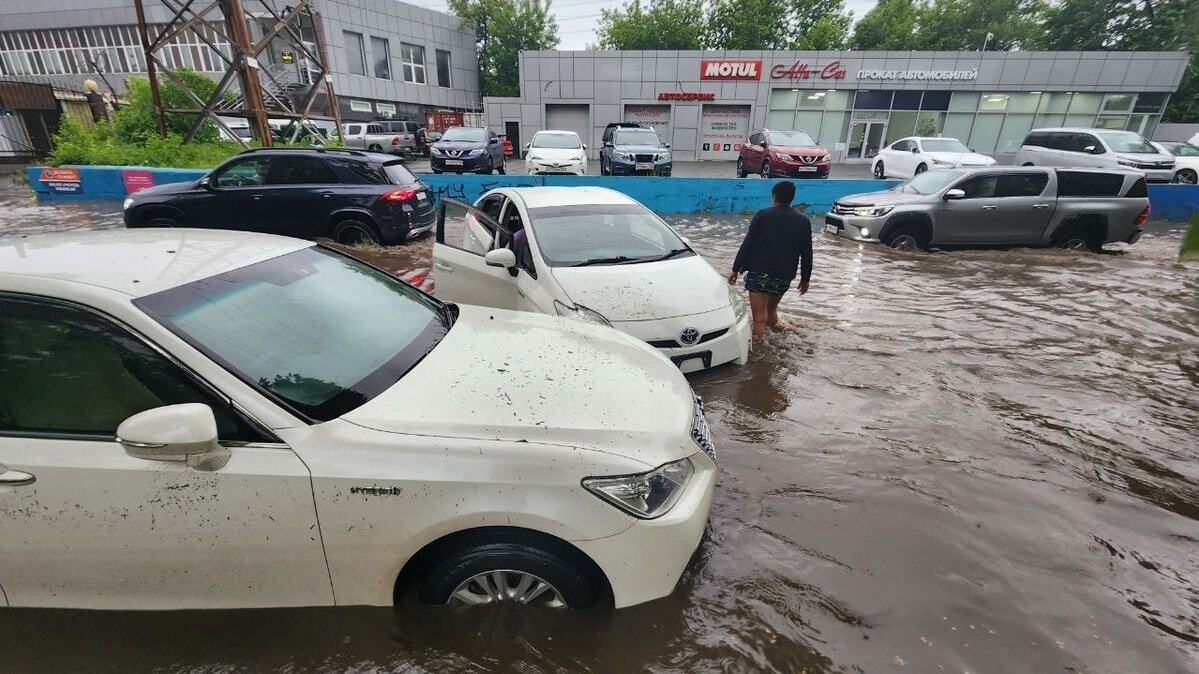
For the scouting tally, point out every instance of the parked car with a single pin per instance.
(468, 149)
(1186, 160)
(791, 154)
(346, 195)
(998, 205)
(631, 149)
(907, 157)
(556, 152)
(371, 137)
(205, 419)
(595, 255)
(1097, 148)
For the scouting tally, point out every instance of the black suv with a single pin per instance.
(346, 195)
(632, 149)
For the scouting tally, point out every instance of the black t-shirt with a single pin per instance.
(779, 237)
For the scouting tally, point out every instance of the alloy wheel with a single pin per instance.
(767, 169)
(506, 586)
(905, 242)
(879, 173)
(1074, 243)
(1186, 177)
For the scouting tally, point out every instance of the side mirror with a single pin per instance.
(915, 150)
(500, 257)
(528, 145)
(607, 143)
(584, 146)
(185, 432)
(206, 183)
(666, 145)
(955, 193)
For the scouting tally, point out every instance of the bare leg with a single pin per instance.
(758, 307)
(772, 310)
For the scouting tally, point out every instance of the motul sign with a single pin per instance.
(730, 70)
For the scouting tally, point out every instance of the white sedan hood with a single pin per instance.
(556, 154)
(962, 158)
(525, 377)
(646, 291)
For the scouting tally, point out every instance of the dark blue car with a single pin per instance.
(349, 196)
(468, 149)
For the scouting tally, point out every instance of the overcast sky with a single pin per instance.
(577, 19)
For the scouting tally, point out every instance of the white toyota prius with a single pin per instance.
(208, 419)
(592, 254)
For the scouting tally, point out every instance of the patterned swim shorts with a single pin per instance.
(757, 282)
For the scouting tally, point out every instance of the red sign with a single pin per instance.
(730, 70)
(137, 180)
(801, 71)
(686, 96)
(62, 180)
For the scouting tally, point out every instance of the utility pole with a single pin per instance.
(247, 69)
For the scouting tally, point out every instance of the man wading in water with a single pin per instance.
(778, 238)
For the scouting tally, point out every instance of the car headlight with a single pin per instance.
(780, 155)
(665, 156)
(475, 152)
(738, 303)
(581, 313)
(644, 495)
(873, 211)
(434, 151)
(127, 204)
(1126, 162)
(578, 158)
(624, 155)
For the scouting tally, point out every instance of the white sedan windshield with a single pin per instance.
(557, 141)
(319, 331)
(602, 234)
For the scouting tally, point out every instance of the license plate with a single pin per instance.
(805, 169)
(421, 196)
(831, 229)
(453, 162)
(641, 166)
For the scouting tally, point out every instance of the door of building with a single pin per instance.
(571, 117)
(865, 139)
(722, 131)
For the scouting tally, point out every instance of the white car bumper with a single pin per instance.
(720, 338)
(549, 167)
(645, 561)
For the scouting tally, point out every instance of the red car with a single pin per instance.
(782, 154)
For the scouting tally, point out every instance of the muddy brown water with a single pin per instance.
(968, 461)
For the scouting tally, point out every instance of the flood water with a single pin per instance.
(969, 461)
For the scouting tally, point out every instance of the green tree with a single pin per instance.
(503, 29)
(665, 24)
(964, 24)
(777, 24)
(135, 120)
(891, 24)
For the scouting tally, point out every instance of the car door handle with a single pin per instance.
(327, 194)
(255, 197)
(441, 266)
(14, 478)
(990, 207)
(1040, 205)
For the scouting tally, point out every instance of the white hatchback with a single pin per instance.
(556, 153)
(592, 254)
(213, 419)
(907, 157)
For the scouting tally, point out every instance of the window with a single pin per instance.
(1150, 102)
(381, 53)
(903, 146)
(1022, 184)
(247, 172)
(935, 100)
(443, 69)
(67, 370)
(1089, 184)
(1082, 141)
(520, 240)
(385, 109)
(353, 129)
(492, 207)
(300, 171)
(907, 100)
(355, 56)
(1117, 103)
(993, 102)
(872, 100)
(471, 230)
(412, 58)
(979, 187)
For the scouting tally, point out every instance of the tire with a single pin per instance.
(1077, 237)
(767, 169)
(741, 172)
(472, 576)
(1027, 163)
(1186, 177)
(880, 172)
(906, 238)
(490, 167)
(375, 148)
(354, 232)
(921, 169)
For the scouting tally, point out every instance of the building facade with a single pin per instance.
(853, 103)
(387, 58)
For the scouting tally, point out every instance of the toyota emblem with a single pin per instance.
(689, 336)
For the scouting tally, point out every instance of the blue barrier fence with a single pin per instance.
(662, 195)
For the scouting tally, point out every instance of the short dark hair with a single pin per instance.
(783, 192)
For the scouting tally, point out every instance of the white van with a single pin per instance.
(1097, 148)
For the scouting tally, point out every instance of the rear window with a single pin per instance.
(1089, 184)
(1138, 189)
(399, 174)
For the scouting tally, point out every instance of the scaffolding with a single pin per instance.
(264, 88)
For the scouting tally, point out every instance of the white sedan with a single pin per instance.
(592, 254)
(208, 419)
(556, 152)
(1186, 160)
(908, 156)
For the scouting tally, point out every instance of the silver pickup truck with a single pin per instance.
(376, 137)
(998, 206)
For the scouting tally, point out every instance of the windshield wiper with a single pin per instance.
(674, 253)
(619, 259)
(448, 312)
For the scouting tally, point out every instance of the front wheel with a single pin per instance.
(1186, 177)
(741, 172)
(498, 571)
(905, 239)
(375, 148)
(921, 168)
(767, 169)
(1027, 163)
(879, 172)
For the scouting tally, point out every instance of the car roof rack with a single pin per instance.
(359, 153)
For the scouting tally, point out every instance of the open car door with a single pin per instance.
(461, 272)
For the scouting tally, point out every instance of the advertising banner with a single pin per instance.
(657, 116)
(62, 180)
(722, 131)
(137, 180)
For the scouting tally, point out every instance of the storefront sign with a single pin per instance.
(971, 74)
(137, 180)
(722, 131)
(730, 70)
(802, 71)
(686, 96)
(62, 180)
(656, 117)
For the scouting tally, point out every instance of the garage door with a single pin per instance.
(722, 130)
(577, 118)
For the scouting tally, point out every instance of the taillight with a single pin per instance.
(400, 196)
(395, 140)
(1140, 221)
